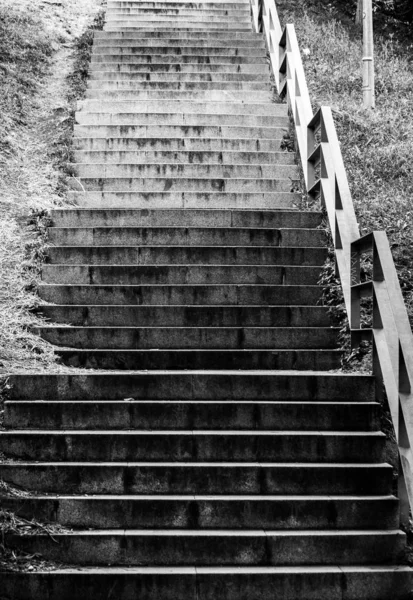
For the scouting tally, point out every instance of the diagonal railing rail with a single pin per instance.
(325, 178)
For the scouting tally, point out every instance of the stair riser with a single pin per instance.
(176, 446)
(170, 25)
(231, 86)
(189, 338)
(191, 415)
(180, 132)
(128, 236)
(182, 106)
(202, 585)
(137, 12)
(112, 57)
(190, 316)
(121, 12)
(181, 295)
(179, 386)
(199, 5)
(223, 359)
(204, 479)
(62, 274)
(184, 157)
(241, 255)
(103, 37)
(193, 20)
(223, 173)
(216, 39)
(73, 217)
(236, 513)
(226, 147)
(106, 76)
(118, 67)
(184, 184)
(176, 17)
(156, 51)
(201, 96)
(262, 549)
(187, 200)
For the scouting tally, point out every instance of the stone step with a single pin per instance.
(184, 385)
(195, 145)
(167, 274)
(185, 236)
(112, 108)
(197, 512)
(115, 58)
(202, 446)
(185, 200)
(176, 11)
(165, 414)
(150, 337)
(117, 12)
(130, 157)
(187, 184)
(184, 25)
(179, 316)
(178, 16)
(100, 68)
(208, 96)
(159, 295)
(204, 478)
(235, 4)
(74, 217)
(215, 547)
(201, 359)
(96, 77)
(186, 171)
(206, 583)
(205, 95)
(231, 86)
(232, 37)
(180, 132)
(198, 47)
(192, 19)
(194, 255)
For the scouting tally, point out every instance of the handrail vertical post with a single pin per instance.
(368, 56)
(259, 18)
(310, 150)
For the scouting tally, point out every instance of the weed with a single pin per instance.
(35, 147)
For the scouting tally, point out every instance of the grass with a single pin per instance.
(377, 145)
(37, 104)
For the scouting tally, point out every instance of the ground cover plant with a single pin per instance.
(44, 49)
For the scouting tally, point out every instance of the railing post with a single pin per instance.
(368, 56)
(354, 316)
(259, 19)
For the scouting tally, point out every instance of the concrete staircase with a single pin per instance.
(213, 451)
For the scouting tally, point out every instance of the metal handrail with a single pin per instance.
(326, 179)
(392, 347)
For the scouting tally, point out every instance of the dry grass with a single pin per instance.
(38, 42)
